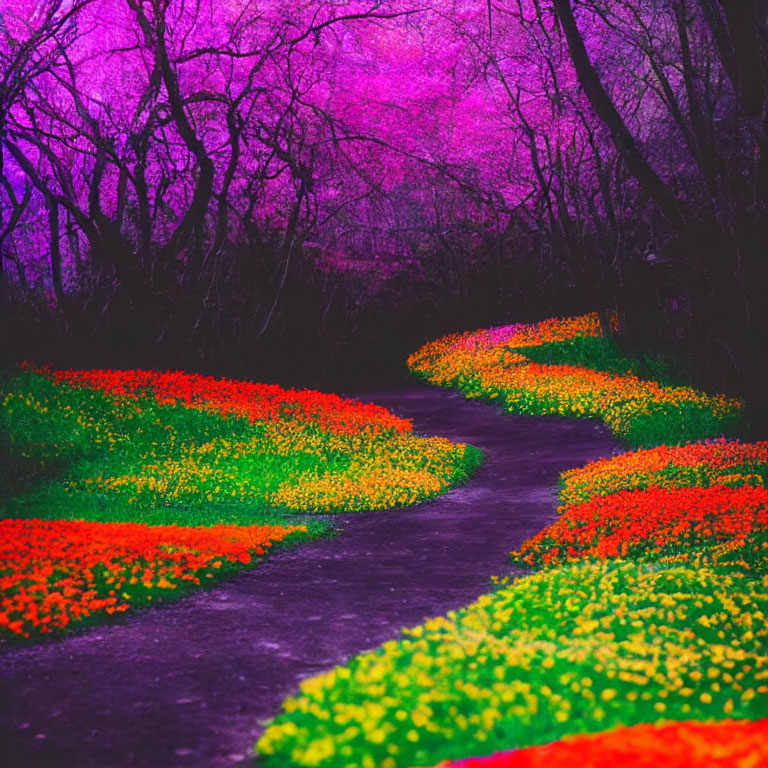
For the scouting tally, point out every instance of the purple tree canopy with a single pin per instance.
(164, 130)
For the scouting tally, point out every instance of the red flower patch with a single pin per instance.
(656, 521)
(257, 402)
(57, 572)
(677, 745)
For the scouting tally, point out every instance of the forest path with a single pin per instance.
(187, 684)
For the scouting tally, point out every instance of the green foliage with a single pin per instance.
(600, 354)
(647, 424)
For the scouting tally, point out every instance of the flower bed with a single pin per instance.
(727, 744)
(694, 464)
(658, 523)
(644, 413)
(144, 442)
(567, 650)
(256, 402)
(56, 574)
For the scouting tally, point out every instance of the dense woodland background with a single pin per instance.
(303, 191)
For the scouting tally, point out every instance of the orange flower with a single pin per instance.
(257, 402)
(56, 572)
(726, 744)
(656, 521)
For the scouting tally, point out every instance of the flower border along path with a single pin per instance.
(193, 438)
(58, 574)
(537, 369)
(674, 631)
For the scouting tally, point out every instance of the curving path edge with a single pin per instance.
(189, 685)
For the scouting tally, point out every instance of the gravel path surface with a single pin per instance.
(190, 684)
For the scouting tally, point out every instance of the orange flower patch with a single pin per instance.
(257, 402)
(372, 489)
(725, 744)
(56, 573)
(656, 522)
(705, 463)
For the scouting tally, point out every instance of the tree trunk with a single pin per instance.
(606, 110)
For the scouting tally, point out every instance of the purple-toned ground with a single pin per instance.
(189, 685)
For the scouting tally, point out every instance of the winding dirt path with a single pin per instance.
(187, 685)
